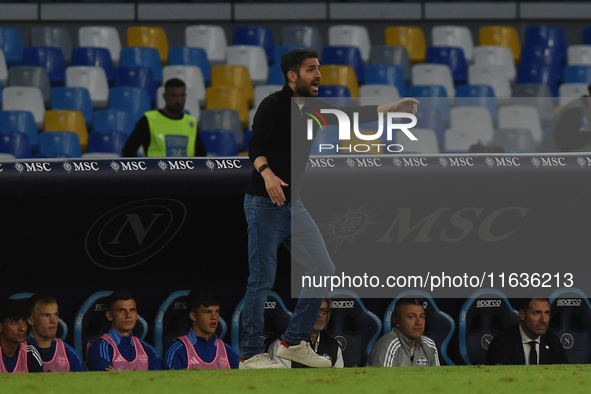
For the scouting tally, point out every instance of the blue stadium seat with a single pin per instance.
(484, 314)
(143, 57)
(21, 121)
(256, 35)
(353, 326)
(541, 55)
(219, 142)
(276, 75)
(50, 58)
(276, 318)
(16, 144)
(439, 326)
(11, 43)
(94, 56)
(106, 142)
(434, 96)
(577, 74)
(478, 96)
(140, 77)
(91, 322)
(222, 119)
(54, 144)
(189, 56)
(547, 36)
(586, 35)
(430, 118)
(570, 321)
(338, 94)
(345, 55)
(451, 56)
(247, 135)
(386, 74)
(62, 328)
(76, 98)
(330, 137)
(539, 74)
(114, 120)
(130, 99)
(281, 50)
(172, 321)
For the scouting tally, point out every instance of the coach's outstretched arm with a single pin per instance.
(406, 104)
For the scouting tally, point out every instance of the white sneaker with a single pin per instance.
(303, 354)
(260, 361)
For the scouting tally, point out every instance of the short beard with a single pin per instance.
(302, 91)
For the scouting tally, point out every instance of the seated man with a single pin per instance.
(405, 344)
(528, 342)
(201, 348)
(327, 347)
(119, 350)
(17, 356)
(167, 132)
(57, 355)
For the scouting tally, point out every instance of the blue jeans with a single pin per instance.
(269, 226)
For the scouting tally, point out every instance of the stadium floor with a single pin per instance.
(442, 380)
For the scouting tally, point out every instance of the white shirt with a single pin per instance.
(525, 340)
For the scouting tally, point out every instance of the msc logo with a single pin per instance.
(456, 162)
(410, 162)
(548, 161)
(226, 164)
(128, 166)
(176, 165)
(320, 163)
(567, 340)
(100, 307)
(488, 303)
(502, 162)
(180, 305)
(342, 304)
(32, 167)
(363, 163)
(568, 302)
(132, 233)
(485, 341)
(270, 305)
(80, 166)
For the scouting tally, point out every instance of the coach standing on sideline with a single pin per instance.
(272, 201)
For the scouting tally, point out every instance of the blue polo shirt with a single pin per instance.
(176, 356)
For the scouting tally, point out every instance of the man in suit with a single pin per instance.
(528, 342)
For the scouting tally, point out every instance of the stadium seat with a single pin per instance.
(547, 36)
(568, 91)
(454, 36)
(93, 79)
(350, 35)
(22, 122)
(575, 74)
(247, 135)
(140, 77)
(106, 142)
(67, 120)
(281, 50)
(235, 76)
(503, 36)
(25, 99)
(189, 56)
(432, 96)
(539, 74)
(108, 120)
(223, 119)
(232, 98)
(148, 36)
(496, 55)
(439, 326)
(276, 75)
(578, 55)
(172, 321)
(74, 98)
(494, 76)
(426, 142)
(53, 37)
(11, 43)
(102, 37)
(434, 74)
(3, 69)
(262, 91)
(459, 140)
(377, 94)
(51, 59)
(537, 55)
(327, 137)
(586, 36)
(430, 118)
(253, 58)
(276, 318)
(143, 57)
(94, 57)
(131, 99)
(31, 76)
(219, 142)
(517, 116)
(211, 38)
(340, 75)
(515, 140)
(353, 326)
(251, 114)
(570, 321)
(16, 144)
(410, 37)
(308, 36)
(479, 96)
(335, 94)
(345, 55)
(62, 328)
(476, 119)
(257, 36)
(59, 144)
(480, 322)
(91, 322)
(192, 102)
(192, 77)
(452, 57)
(391, 54)
(537, 95)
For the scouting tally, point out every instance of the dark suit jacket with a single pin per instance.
(507, 349)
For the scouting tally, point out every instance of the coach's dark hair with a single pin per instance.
(13, 309)
(119, 295)
(39, 299)
(174, 83)
(292, 60)
(198, 297)
(402, 302)
(525, 303)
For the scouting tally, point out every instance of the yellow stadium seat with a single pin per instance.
(67, 120)
(501, 35)
(340, 75)
(147, 36)
(235, 76)
(412, 38)
(228, 97)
